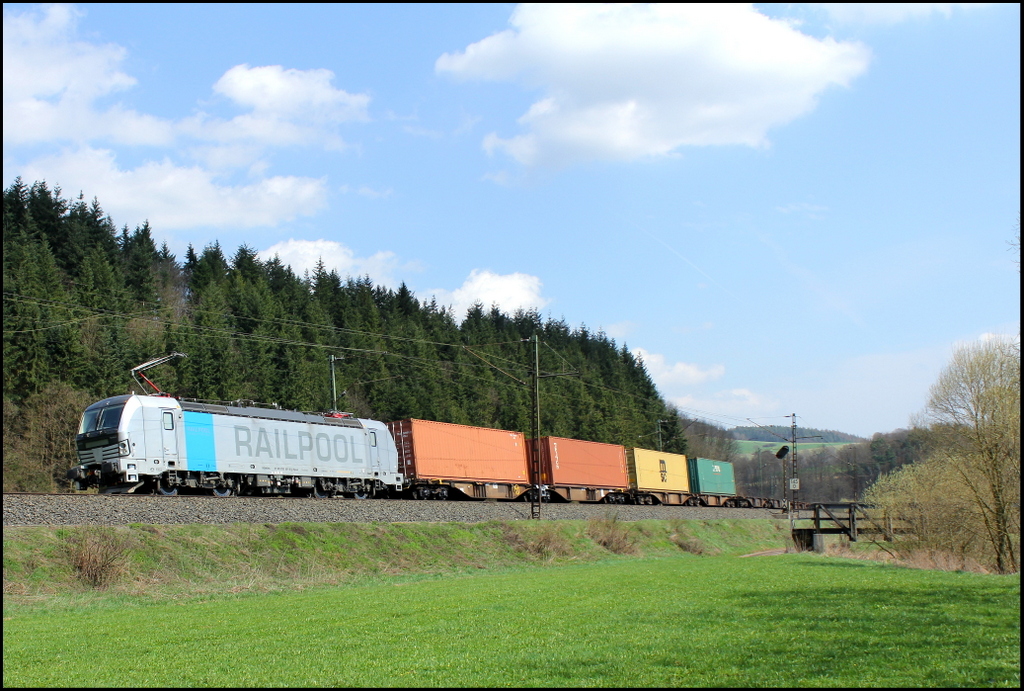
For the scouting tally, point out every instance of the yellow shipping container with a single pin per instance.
(656, 471)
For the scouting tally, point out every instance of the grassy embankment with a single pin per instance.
(658, 603)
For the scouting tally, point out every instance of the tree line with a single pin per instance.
(773, 433)
(85, 301)
(833, 473)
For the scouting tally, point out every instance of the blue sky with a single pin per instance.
(781, 208)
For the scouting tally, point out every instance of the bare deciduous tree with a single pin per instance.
(39, 438)
(973, 414)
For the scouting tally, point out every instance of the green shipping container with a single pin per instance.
(711, 477)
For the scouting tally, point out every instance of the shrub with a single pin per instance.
(97, 555)
(611, 534)
(547, 541)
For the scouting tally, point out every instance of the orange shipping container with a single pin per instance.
(575, 463)
(430, 450)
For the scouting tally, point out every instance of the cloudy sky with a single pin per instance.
(781, 208)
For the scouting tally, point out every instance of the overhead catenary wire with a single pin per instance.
(152, 315)
(99, 311)
(227, 333)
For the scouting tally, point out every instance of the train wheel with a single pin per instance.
(320, 493)
(222, 491)
(165, 491)
(361, 495)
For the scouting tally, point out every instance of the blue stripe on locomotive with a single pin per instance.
(199, 442)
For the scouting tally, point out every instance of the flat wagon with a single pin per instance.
(656, 477)
(575, 470)
(442, 460)
(714, 481)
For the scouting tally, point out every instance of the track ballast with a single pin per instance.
(105, 509)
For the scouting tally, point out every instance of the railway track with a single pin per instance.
(28, 508)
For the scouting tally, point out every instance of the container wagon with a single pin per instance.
(713, 481)
(442, 460)
(587, 471)
(656, 477)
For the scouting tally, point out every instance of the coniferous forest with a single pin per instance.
(84, 302)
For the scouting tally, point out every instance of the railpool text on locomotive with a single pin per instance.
(327, 448)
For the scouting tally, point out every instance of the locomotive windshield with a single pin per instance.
(105, 417)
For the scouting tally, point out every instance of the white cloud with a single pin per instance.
(303, 255)
(686, 385)
(725, 406)
(367, 191)
(629, 81)
(172, 196)
(1005, 336)
(890, 12)
(509, 292)
(305, 94)
(620, 330)
(676, 374)
(288, 107)
(51, 83)
(499, 178)
(55, 87)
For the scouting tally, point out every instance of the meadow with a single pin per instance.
(696, 616)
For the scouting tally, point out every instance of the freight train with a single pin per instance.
(159, 444)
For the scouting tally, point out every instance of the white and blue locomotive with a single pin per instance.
(156, 443)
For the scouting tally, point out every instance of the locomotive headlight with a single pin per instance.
(124, 448)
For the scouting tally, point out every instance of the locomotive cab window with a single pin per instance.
(373, 439)
(168, 420)
(105, 417)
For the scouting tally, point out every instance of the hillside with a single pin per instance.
(84, 302)
(777, 433)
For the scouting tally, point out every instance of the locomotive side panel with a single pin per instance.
(230, 444)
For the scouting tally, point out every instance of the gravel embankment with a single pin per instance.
(122, 509)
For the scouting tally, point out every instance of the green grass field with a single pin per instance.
(616, 620)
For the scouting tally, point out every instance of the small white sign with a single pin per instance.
(794, 483)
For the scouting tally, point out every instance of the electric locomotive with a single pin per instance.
(156, 443)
